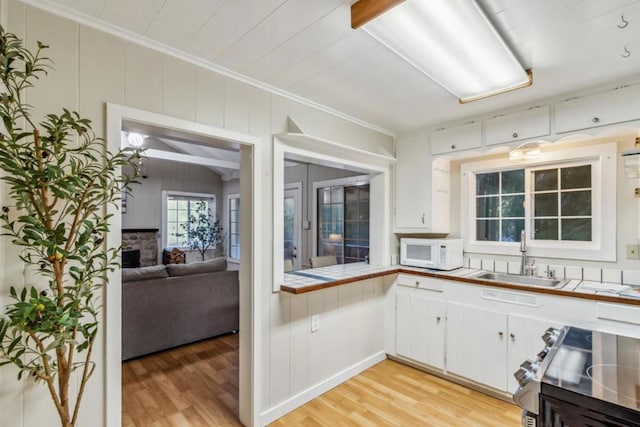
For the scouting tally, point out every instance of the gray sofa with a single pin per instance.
(167, 306)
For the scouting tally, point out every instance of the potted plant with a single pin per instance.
(59, 179)
(202, 231)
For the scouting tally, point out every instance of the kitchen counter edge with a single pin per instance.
(469, 280)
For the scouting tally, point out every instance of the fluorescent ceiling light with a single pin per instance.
(453, 43)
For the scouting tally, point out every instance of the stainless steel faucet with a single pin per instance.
(525, 269)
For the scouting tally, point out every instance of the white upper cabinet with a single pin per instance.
(615, 106)
(422, 188)
(457, 138)
(521, 125)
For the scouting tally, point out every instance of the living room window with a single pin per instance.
(559, 200)
(178, 208)
(234, 226)
(343, 219)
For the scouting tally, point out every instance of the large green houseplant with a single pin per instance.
(60, 179)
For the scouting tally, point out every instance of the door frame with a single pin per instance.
(250, 269)
(296, 187)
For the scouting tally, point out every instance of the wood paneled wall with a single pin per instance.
(92, 68)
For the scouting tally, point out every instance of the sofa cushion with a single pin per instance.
(210, 266)
(144, 273)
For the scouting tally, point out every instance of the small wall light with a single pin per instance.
(631, 159)
(528, 151)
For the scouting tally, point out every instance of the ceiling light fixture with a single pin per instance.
(135, 139)
(451, 41)
(530, 150)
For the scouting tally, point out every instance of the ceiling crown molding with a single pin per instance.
(95, 23)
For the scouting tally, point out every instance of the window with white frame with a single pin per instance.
(178, 208)
(234, 225)
(560, 201)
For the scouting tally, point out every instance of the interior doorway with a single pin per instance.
(201, 137)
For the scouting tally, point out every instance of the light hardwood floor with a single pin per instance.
(197, 385)
(192, 385)
(393, 394)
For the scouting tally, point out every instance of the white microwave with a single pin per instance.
(438, 254)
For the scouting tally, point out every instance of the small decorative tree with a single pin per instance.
(60, 180)
(202, 231)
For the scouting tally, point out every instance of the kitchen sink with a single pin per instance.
(522, 280)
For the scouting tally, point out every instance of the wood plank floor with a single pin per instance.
(192, 385)
(197, 385)
(393, 394)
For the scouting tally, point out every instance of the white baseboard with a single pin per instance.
(311, 393)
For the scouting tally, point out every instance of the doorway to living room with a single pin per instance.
(191, 174)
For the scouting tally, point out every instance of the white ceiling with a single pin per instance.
(307, 48)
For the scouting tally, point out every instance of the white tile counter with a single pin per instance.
(301, 281)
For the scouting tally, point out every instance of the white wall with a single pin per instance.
(144, 203)
(92, 68)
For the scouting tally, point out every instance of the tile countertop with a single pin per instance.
(301, 281)
(297, 282)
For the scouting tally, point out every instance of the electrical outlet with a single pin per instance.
(633, 251)
(315, 323)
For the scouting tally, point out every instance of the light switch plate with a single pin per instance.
(633, 251)
(315, 323)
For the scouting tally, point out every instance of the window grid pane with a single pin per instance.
(343, 222)
(179, 210)
(234, 228)
(500, 205)
(562, 209)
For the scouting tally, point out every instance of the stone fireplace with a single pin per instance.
(143, 239)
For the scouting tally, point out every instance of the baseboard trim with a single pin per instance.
(489, 391)
(311, 393)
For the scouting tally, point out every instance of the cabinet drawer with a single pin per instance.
(618, 313)
(457, 138)
(517, 126)
(419, 282)
(615, 106)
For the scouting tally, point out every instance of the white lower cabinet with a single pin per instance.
(420, 326)
(488, 347)
(525, 341)
(476, 342)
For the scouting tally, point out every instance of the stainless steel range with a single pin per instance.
(581, 378)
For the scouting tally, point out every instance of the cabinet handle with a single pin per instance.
(513, 337)
(595, 119)
(453, 147)
(423, 218)
(515, 134)
(501, 334)
(438, 319)
(417, 283)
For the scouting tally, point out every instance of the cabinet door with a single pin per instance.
(476, 344)
(457, 138)
(517, 126)
(615, 106)
(413, 184)
(435, 333)
(403, 323)
(524, 343)
(420, 327)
